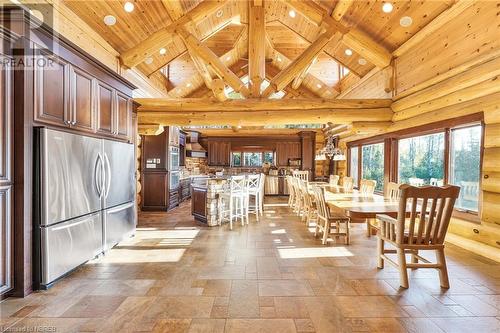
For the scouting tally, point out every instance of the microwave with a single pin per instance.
(173, 158)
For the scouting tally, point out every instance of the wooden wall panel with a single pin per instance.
(491, 208)
(473, 33)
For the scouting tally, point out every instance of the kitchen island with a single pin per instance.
(204, 200)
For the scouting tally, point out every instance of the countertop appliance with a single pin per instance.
(85, 200)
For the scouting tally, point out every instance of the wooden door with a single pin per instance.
(51, 91)
(82, 100)
(123, 115)
(105, 108)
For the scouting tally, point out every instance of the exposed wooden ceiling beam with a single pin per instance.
(299, 78)
(356, 39)
(160, 38)
(256, 47)
(259, 118)
(456, 9)
(341, 9)
(299, 64)
(306, 104)
(149, 129)
(253, 131)
(210, 58)
(218, 88)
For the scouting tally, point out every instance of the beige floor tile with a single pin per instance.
(260, 325)
(284, 288)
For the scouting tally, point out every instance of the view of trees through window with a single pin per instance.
(421, 160)
(251, 159)
(373, 164)
(354, 163)
(465, 157)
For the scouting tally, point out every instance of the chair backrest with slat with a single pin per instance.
(348, 183)
(304, 175)
(238, 185)
(304, 192)
(429, 209)
(319, 196)
(253, 185)
(367, 186)
(334, 180)
(289, 184)
(392, 190)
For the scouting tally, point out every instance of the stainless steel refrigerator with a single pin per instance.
(85, 200)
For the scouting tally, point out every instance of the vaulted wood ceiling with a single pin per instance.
(221, 28)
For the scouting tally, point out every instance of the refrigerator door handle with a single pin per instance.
(108, 175)
(67, 226)
(98, 175)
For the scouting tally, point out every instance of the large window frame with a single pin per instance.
(262, 157)
(391, 154)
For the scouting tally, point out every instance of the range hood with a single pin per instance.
(193, 147)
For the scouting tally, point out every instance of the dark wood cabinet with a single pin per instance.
(105, 108)
(219, 153)
(155, 152)
(123, 115)
(173, 199)
(6, 179)
(154, 191)
(286, 151)
(184, 189)
(51, 91)
(82, 100)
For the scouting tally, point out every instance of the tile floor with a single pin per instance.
(272, 276)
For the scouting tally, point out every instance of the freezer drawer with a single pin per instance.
(119, 223)
(67, 245)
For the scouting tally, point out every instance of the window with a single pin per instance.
(353, 164)
(269, 157)
(235, 159)
(252, 159)
(465, 160)
(421, 160)
(373, 164)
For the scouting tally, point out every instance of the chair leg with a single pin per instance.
(326, 231)
(443, 270)
(347, 235)
(403, 272)
(414, 259)
(380, 252)
(368, 228)
(230, 214)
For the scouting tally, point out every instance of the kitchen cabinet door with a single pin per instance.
(123, 115)
(6, 243)
(224, 153)
(105, 108)
(155, 191)
(212, 153)
(82, 100)
(281, 153)
(51, 91)
(5, 123)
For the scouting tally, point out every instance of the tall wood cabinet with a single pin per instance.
(65, 95)
(219, 153)
(6, 181)
(287, 150)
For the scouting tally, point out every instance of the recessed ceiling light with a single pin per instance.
(228, 58)
(163, 51)
(148, 61)
(387, 7)
(109, 20)
(128, 6)
(406, 21)
(362, 61)
(318, 85)
(219, 13)
(348, 52)
(188, 85)
(279, 58)
(292, 13)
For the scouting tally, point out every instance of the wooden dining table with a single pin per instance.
(359, 206)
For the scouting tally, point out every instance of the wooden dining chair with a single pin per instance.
(429, 209)
(392, 190)
(291, 192)
(367, 186)
(303, 175)
(308, 202)
(327, 222)
(334, 180)
(348, 184)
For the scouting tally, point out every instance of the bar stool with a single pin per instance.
(253, 189)
(232, 203)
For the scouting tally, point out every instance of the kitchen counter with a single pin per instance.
(204, 200)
